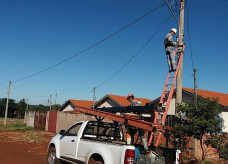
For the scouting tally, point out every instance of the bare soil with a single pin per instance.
(24, 147)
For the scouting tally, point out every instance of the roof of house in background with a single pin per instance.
(80, 103)
(223, 97)
(121, 100)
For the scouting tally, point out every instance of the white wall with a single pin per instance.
(107, 103)
(171, 110)
(224, 115)
(68, 108)
(29, 118)
(47, 121)
(172, 106)
(65, 120)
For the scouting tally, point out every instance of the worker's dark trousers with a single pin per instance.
(141, 134)
(170, 57)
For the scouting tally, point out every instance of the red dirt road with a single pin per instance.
(24, 147)
(19, 153)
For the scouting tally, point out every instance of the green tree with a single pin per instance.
(21, 107)
(11, 107)
(39, 107)
(56, 107)
(196, 121)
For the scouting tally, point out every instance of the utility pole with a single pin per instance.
(55, 98)
(55, 101)
(195, 87)
(27, 106)
(50, 102)
(94, 98)
(195, 143)
(7, 103)
(180, 45)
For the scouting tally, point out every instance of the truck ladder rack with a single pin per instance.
(123, 118)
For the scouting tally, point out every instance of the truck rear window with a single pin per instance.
(108, 131)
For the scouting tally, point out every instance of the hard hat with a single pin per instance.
(130, 95)
(174, 30)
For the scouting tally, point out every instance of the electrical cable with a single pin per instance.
(3, 85)
(135, 54)
(93, 45)
(26, 92)
(189, 38)
(172, 12)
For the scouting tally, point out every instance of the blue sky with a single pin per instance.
(36, 34)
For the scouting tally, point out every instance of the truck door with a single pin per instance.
(68, 143)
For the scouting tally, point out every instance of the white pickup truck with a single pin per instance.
(90, 142)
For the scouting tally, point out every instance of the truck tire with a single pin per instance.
(97, 162)
(93, 161)
(51, 156)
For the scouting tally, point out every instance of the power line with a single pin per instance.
(135, 54)
(172, 12)
(106, 38)
(3, 85)
(26, 92)
(189, 38)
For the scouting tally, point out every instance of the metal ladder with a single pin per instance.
(166, 98)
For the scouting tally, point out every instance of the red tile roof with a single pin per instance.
(82, 103)
(223, 97)
(122, 100)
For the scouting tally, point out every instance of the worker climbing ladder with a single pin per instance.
(166, 97)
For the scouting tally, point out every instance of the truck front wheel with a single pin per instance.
(51, 157)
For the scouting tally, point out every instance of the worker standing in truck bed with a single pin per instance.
(130, 98)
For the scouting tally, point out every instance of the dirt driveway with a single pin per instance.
(24, 147)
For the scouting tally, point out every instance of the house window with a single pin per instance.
(170, 120)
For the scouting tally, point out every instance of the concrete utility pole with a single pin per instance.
(55, 98)
(180, 45)
(7, 103)
(50, 102)
(27, 106)
(195, 87)
(94, 97)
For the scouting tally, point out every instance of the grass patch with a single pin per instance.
(14, 124)
(11, 121)
(16, 127)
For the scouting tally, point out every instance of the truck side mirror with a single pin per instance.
(61, 132)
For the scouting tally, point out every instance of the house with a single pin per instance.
(222, 100)
(71, 104)
(187, 96)
(110, 100)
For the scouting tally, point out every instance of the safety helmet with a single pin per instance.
(130, 95)
(174, 30)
